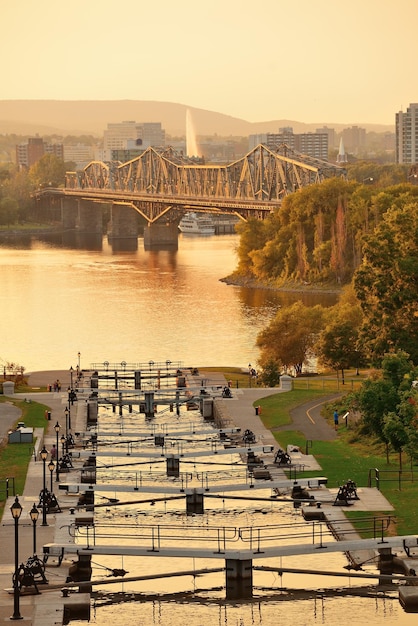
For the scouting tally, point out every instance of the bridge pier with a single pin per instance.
(69, 212)
(239, 578)
(123, 221)
(90, 218)
(161, 236)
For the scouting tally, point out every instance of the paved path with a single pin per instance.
(44, 609)
(308, 420)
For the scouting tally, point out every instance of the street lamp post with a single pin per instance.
(79, 355)
(16, 510)
(34, 514)
(44, 456)
(68, 417)
(63, 441)
(71, 378)
(57, 429)
(51, 467)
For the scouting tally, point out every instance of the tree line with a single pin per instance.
(18, 184)
(363, 239)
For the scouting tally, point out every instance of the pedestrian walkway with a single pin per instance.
(47, 608)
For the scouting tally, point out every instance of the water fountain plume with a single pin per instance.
(192, 149)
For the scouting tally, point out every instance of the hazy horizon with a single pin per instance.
(310, 61)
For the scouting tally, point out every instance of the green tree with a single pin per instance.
(270, 374)
(386, 284)
(8, 211)
(289, 338)
(388, 404)
(338, 346)
(49, 170)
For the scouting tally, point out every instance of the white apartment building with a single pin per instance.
(121, 136)
(407, 135)
(79, 153)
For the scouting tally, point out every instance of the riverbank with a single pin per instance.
(289, 287)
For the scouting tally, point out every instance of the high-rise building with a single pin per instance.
(312, 144)
(27, 154)
(407, 135)
(354, 138)
(142, 135)
(332, 140)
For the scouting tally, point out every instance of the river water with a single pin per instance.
(60, 296)
(64, 296)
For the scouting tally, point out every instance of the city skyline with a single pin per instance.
(315, 62)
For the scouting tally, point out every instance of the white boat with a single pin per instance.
(197, 224)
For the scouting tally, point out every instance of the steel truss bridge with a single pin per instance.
(162, 184)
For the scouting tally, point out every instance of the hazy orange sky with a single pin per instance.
(306, 60)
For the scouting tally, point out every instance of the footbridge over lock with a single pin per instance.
(155, 189)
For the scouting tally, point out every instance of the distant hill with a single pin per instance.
(78, 117)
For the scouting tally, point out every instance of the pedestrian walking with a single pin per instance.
(336, 419)
(53, 453)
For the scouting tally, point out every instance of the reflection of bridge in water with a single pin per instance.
(160, 185)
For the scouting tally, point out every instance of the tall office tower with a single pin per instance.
(354, 138)
(407, 135)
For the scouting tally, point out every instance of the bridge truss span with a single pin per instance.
(161, 180)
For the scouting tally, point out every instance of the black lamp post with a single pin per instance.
(44, 456)
(34, 514)
(16, 510)
(57, 429)
(71, 378)
(51, 467)
(63, 441)
(68, 417)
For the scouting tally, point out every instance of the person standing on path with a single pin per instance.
(336, 419)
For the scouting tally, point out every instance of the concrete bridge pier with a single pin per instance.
(123, 221)
(90, 217)
(239, 579)
(160, 235)
(69, 212)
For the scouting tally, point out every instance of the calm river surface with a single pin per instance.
(59, 298)
(134, 306)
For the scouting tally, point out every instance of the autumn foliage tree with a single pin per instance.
(288, 340)
(386, 284)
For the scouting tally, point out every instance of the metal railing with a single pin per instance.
(257, 538)
(376, 477)
(157, 536)
(7, 487)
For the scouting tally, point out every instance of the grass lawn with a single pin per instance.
(348, 458)
(14, 458)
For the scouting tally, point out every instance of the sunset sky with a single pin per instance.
(306, 60)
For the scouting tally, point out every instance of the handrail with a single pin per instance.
(257, 538)
(158, 534)
(377, 476)
(9, 486)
